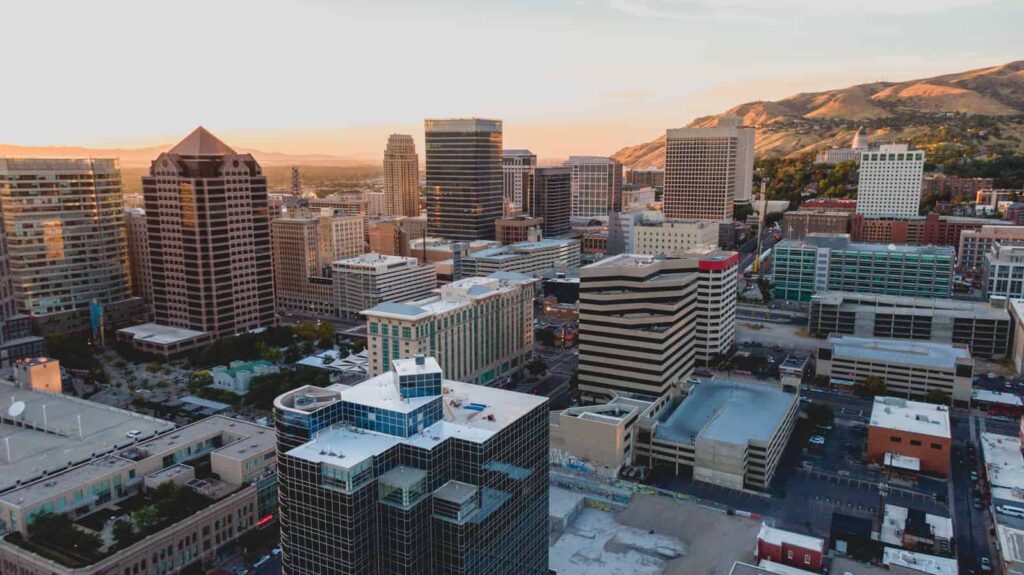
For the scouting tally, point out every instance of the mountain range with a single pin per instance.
(141, 157)
(987, 103)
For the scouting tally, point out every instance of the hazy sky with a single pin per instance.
(566, 76)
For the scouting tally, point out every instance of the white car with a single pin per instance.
(133, 434)
(817, 440)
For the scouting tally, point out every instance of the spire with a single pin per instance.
(201, 143)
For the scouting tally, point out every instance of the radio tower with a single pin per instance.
(296, 183)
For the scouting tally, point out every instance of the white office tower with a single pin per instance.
(708, 170)
(890, 181)
(596, 186)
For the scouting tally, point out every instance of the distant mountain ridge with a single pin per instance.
(141, 157)
(888, 111)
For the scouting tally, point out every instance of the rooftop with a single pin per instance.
(842, 242)
(1004, 464)
(777, 537)
(161, 334)
(1000, 397)
(911, 305)
(911, 560)
(910, 416)
(900, 352)
(201, 143)
(455, 295)
(1011, 543)
(728, 411)
(374, 261)
(894, 525)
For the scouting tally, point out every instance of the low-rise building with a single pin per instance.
(977, 243)
(514, 229)
(730, 433)
(903, 562)
(1004, 472)
(910, 369)
(917, 530)
(368, 279)
(531, 258)
(163, 341)
(39, 373)
(910, 429)
(1004, 271)
(984, 327)
(789, 548)
(673, 237)
(796, 225)
(236, 376)
(598, 439)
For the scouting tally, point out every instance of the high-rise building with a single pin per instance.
(596, 186)
(208, 222)
(368, 279)
(401, 177)
(708, 170)
(889, 181)
(409, 472)
(480, 329)
(138, 254)
(716, 303)
(464, 178)
(304, 248)
(552, 199)
(64, 225)
(517, 170)
(638, 320)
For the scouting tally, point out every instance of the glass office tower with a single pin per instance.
(464, 178)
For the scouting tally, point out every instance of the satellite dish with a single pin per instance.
(16, 409)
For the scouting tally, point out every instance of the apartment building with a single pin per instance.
(480, 328)
(364, 281)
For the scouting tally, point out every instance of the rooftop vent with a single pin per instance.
(421, 359)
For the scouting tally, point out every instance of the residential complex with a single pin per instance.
(831, 262)
(364, 281)
(985, 328)
(517, 169)
(408, 472)
(552, 199)
(138, 254)
(909, 369)
(889, 181)
(530, 257)
(64, 229)
(913, 430)
(596, 186)
(304, 248)
(672, 237)
(401, 177)
(209, 245)
(480, 329)
(708, 170)
(464, 178)
(954, 187)
(977, 243)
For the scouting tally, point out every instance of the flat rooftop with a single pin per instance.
(41, 445)
(455, 295)
(161, 334)
(997, 397)
(930, 564)
(842, 242)
(1004, 464)
(729, 411)
(908, 305)
(910, 416)
(899, 352)
(777, 537)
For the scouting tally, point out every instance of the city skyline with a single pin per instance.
(663, 47)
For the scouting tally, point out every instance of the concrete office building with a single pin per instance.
(977, 243)
(799, 224)
(368, 279)
(708, 170)
(64, 228)
(889, 181)
(716, 302)
(138, 254)
(517, 170)
(401, 177)
(831, 262)
(1004, 271)
(601, 437)
(596, 186)
(464, 178)
(409, 472)
(638, 318)
(304, 248)
(209, 244)
(672, 237)
(984, 327)
(521, 228)
(480, 328)
(531, 258)
(552, 199)
(730, 433)
(911, 429)
(909, 369)
(1016, 308)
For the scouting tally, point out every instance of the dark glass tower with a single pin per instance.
(407, 473)
(552, 199)
(464, 178)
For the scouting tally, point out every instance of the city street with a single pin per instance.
(561, 364)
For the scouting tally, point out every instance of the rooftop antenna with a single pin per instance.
(296, 182)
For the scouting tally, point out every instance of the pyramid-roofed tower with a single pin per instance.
(201, 143)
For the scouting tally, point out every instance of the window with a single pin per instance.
(895, 439)
(936, 446)
(789, 554)
(915, 442)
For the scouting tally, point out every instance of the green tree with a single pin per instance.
(873, 385)
(124, 533)
(766, 289)
(820, 414)
(146, 518)
(938, 396)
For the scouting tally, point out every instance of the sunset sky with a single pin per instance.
(566, 76)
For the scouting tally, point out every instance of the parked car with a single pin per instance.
(986, 565)
(974, 476)
(817, 440)
(976, 503)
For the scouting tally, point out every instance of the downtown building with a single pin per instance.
(208, 224)
(480, 329)
(401, 177)
(596, 186)
(708, 171)
(464, 178)
(529, 257)
(409, 472)
(976, 244)
(138, 254)
(66, 244)
(671, 237)
(889, 181)
(364, 281)
(304, 248)
(552, 199)
(517, 169)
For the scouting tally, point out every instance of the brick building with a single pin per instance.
(911, 429)
(788, 548)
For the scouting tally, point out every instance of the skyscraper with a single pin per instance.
(517, 177)
(208, 220)
(889, 182)
(708, 170)
(464, 178)
(401, 177)
(66, 239)
(552, 199)
(412, 473)
(596, 186)
(138, 254)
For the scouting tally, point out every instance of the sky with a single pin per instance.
(565, 76)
